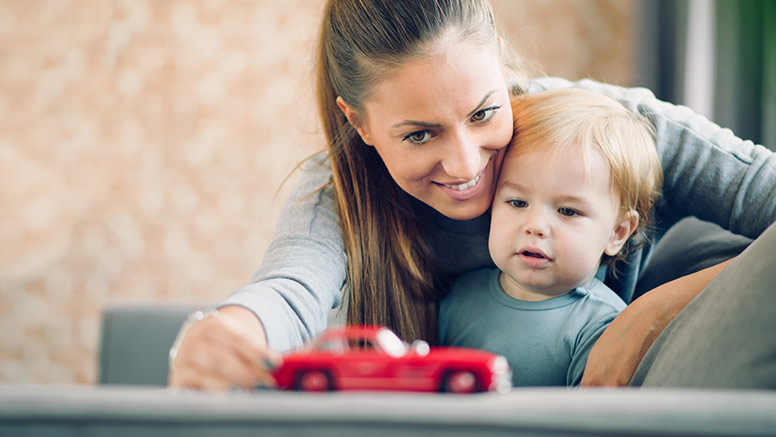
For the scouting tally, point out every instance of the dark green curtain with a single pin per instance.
(744, 76)
(661, 47)
(746, 68)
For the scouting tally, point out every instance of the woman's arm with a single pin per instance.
(303, 271)
(287, 304)
(619, 350)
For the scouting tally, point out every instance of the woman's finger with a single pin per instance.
(246, 343)
(218, 352)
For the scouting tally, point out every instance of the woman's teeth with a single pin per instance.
(467, 185)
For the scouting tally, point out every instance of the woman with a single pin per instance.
(414, 99)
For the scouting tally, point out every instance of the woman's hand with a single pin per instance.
(617, 353)
(226, 349)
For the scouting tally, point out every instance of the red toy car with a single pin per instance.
(374, 358)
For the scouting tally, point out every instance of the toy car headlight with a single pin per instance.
(421, 347)
(499, 365)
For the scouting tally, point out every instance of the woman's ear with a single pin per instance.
(354, 119)
(621, 232)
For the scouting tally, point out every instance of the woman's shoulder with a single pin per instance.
(315, 176)
(317, 166)
(630, 97)
(318, 161)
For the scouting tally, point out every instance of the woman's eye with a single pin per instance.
(517, 203)
(485, 114)
(418, 137)
(567, 212)
(479, 115)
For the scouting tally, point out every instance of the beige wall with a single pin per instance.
(142, 143)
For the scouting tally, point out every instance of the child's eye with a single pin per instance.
(516, 203)
(418, 137)
(567, 212)
(485, 114)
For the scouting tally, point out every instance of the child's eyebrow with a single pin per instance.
(582, 201)
(507, 183)
(570, 198)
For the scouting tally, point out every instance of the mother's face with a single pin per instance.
(441, 124)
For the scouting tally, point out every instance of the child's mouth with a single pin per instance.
(534, 258)
(532, 254)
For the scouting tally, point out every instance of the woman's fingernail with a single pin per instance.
(269, 364)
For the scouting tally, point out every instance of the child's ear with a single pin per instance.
(354, 119)
(621, 232)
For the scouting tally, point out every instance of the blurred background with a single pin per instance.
(143, 143)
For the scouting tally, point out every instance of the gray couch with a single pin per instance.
(135, 340)
(132, 401)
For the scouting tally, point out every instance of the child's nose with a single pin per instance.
(536, 224)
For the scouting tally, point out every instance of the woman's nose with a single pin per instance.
(462, 158)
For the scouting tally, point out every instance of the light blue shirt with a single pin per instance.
(545, 342)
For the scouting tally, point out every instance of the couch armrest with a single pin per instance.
(135, 340)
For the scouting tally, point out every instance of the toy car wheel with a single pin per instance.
(314, 380)
(460, 381)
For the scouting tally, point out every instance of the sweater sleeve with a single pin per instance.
(601, 307)
(708, 171)
(303, 271)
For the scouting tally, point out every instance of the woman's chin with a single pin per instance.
(465, 210)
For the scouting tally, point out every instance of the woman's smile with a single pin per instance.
(464, 186)
(466, 190)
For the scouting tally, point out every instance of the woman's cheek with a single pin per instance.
(506, 127)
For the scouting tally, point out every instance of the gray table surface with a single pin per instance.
(114, 411)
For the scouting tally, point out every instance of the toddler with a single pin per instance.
(576, 189)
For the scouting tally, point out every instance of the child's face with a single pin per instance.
(552, 221)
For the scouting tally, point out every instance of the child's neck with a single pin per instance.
(522, 292)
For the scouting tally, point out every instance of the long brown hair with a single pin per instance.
(391, 276)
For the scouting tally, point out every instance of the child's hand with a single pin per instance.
(222, 350)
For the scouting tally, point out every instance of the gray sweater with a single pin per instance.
(708, 173)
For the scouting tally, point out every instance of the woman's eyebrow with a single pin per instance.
(482, 102)
(427, 125)
(415, 123)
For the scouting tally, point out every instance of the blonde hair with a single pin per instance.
(392, 278)
(567, 118)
